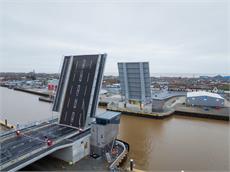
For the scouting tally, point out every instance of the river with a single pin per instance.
(176, 143)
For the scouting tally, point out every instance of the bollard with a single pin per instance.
(131, 164)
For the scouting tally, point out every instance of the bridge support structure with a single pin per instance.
(79, 149)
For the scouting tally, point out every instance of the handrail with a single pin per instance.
(120, 157)
(10, 162)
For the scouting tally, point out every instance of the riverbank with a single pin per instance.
(201, 115)
(179, 109)
(145, 115)
(174, 112)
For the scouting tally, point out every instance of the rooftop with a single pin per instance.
(203, 93)
(108, 115)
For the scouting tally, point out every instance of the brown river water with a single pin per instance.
(175, 143)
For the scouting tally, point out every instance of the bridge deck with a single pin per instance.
(14, 148)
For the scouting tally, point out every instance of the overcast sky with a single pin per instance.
(186, 36)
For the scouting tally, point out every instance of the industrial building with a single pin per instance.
(135, 81)
(203, 98)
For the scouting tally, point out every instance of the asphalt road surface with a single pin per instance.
(77, 98)
(26, 142)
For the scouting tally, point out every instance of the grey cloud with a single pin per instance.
(179, 37)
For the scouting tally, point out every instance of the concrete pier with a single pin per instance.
(75, 152)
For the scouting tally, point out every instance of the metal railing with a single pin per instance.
(120, 157)
(52, 119)
(35, 151)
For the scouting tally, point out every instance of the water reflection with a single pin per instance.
(177, 143)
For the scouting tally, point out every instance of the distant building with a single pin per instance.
(135, 80)
(203, 98)
(52, 84)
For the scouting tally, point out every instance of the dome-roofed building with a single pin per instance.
(203, 98)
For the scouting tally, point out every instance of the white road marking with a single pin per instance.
(75, 103)
(78, 90)
(65, 116)
(71, 89)
(79, 121)
(88, 77)
(85, 91)
(68, 103)
(76, 65)
(72, 117)
(83, 64)
(74, 76)
(81, 76)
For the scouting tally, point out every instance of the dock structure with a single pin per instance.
(5, 125)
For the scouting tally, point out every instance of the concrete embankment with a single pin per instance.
(32, 92)
(45, 99)
(202, 115)
(103, 104)
(164, 115)
(146, 115)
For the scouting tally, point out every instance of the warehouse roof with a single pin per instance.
(203, 93)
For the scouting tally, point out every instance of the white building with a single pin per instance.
(203, 98)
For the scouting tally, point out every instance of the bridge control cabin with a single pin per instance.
(104, 131)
